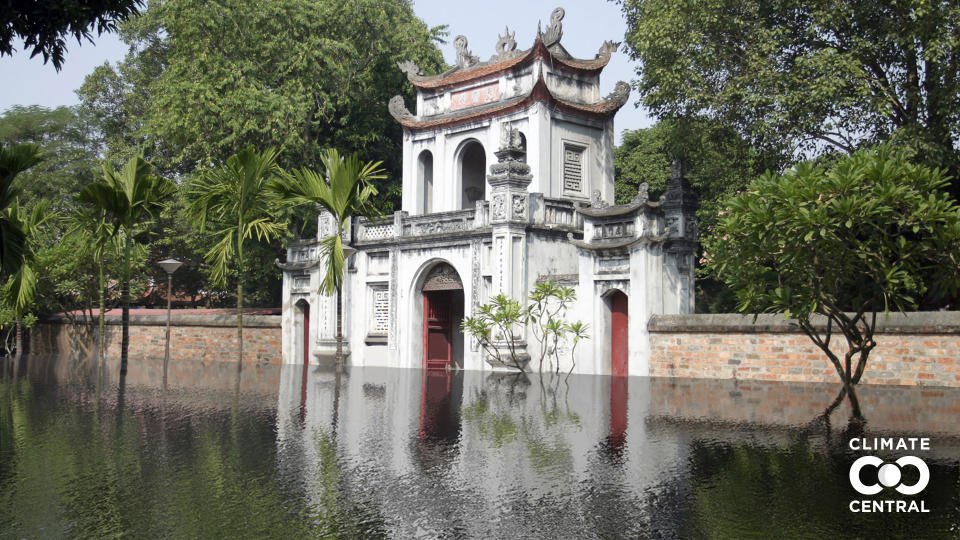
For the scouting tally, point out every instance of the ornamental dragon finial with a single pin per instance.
(411, 69)
(608, 48)
(554, 32)
(506, 45)
(465, 58)
(398, 109)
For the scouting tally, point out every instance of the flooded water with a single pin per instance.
(277, 452)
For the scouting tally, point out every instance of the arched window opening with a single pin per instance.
(425, 177)
(473, 166)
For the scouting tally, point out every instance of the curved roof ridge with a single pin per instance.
(606, 106)
(507, 59)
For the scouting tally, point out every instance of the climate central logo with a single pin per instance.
(889, 475)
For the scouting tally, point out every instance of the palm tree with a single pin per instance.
(21, 287)
(97, 240)
(129, 199)
(233, 199)
(13, 161)
(344, 191)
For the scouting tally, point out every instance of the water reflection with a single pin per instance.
(403, 453)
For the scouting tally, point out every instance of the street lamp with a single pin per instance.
(170, 266)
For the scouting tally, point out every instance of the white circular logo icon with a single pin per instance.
(889, 475)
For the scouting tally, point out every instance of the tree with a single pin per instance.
(233, 201)
(96, 239)
(345, 190)
(870, 234)
(70, 154)
(806, 76)
(717, 161)
(20, 289)
(13, 161)
(128, 198)
(207, 79)
(43, 25)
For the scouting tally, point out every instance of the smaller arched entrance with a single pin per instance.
(619, 334)
(442, 313)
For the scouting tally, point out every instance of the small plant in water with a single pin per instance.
(497, 325)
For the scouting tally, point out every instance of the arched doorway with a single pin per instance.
(619, 334)
(425, 177)
(442, 313)
(473, 174)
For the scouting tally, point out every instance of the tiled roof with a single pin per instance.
(484, 69)
(539, 93)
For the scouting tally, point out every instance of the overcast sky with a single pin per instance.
(585, 27)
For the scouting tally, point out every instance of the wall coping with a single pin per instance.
(176, 319)
(917, 322)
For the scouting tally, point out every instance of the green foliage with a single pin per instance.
(126, 200)
(869, 234)
(207, 79)
(345, 190)
(718, 162)
(232, 203)
(20, 289)
(70, 155)
(806, 76)
(13, 161)
(43, 26)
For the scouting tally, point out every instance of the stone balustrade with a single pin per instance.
(551, 213)
(562, 213)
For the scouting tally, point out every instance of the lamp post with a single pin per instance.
(170, 266)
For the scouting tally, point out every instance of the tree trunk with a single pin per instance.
(339, 356)
(125, 313)
(240, 324)
(18, 328)
(101, 324)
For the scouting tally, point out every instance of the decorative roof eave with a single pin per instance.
(295, 266)
(625, 244)
(603, 109)
(616, 210)
(504, 62)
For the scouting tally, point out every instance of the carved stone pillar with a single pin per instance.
(680, 212)
(509, 217)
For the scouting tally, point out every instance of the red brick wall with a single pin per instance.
(924, 350)
(194, 338)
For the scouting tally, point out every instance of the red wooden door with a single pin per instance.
(618, 334)
(437, 329)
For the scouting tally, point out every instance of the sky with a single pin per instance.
(587, 24)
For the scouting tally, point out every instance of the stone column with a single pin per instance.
(680, 212)
(324, 307)
(509, 179)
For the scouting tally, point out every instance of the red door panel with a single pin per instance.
(619, 335)
(437, 329)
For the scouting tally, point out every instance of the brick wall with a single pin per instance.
(916, 349)
(194, 337)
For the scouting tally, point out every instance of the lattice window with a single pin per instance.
(376, 232)
(573, 168)
(381, 309)
(301, 282)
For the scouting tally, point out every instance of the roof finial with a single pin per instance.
(506, 45)
(465, 58)
(554, 32)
